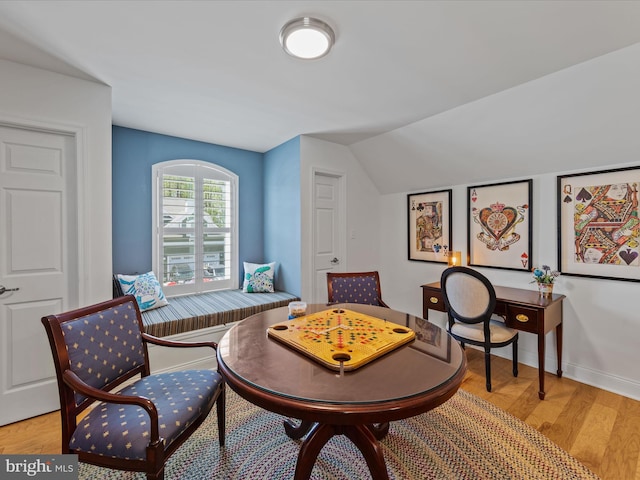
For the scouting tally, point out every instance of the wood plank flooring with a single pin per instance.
(599, 428)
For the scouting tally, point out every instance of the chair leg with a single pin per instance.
(515, 357)
(487, 368)
(220, 410)
(156, 476)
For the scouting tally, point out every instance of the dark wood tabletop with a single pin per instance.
(405, 382)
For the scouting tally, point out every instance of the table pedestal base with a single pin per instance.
(365, 437)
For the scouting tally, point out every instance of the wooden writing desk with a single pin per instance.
(524, 310)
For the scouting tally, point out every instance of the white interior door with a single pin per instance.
(329, 241)
(38, 261)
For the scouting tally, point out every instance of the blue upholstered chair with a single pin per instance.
(355, 287)
(469, 298)
(101, 348)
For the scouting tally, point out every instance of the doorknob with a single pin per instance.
(2, 289)
(335, 261)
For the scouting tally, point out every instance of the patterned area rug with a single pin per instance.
(466, 438)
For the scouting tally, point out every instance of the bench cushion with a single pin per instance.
(193, 312)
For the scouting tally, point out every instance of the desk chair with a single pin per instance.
(100, 347)
(470, 299)
(355, 287)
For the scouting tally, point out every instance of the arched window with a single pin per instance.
(195, 226)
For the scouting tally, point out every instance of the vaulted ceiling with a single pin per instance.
(425, 93)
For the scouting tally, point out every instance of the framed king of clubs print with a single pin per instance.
(599, 228)
(429, 217)
(499, 225)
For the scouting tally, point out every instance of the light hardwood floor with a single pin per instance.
(599, 428)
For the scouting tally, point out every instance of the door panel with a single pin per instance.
(38, 245)
(327, 234)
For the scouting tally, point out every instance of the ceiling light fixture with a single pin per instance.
(307, 38)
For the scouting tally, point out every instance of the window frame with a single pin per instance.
(199, 170)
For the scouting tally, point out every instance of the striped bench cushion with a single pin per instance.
(193, 312)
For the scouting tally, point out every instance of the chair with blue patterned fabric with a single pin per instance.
(100, 355)
(355, 287)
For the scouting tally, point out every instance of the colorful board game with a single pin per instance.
(341, 339)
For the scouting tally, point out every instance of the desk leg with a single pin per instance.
(360, 435)
(541, 346)
(559, 348)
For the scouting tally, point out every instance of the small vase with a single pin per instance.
(546, 289)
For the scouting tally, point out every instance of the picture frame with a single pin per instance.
(598, 225)
(499, 225)
(429, 226)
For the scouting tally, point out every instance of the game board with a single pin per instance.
(341, 339)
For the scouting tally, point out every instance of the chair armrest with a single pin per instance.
(76, 383)
(173, 343)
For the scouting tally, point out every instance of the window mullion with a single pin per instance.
(199, 229)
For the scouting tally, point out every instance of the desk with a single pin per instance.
(408, 381)
(524, 310)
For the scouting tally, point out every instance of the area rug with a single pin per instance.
(465, 438)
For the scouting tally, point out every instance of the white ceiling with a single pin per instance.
(425, 93)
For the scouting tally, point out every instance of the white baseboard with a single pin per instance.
(606, 381)
(167, 359)
(588, 376)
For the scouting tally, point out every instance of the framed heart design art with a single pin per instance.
(499, 225)
(599, 224)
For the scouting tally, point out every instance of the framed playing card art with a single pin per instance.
(429, 224)
(499, 225)
(598, 223)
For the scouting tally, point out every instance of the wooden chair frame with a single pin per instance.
(69, 383)
(485, 318)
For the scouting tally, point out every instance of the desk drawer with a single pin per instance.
(433, 300)
(522, 318)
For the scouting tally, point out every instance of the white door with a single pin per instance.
(329, 241)
(38, 261)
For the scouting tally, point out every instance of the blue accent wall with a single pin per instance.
(282, 216)
(134, 153)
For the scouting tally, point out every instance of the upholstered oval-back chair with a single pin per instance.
(470, 299)
(355, 287)
(140, 419)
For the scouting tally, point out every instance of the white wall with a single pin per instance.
(38, 98)
(363, 204)
(601, 320)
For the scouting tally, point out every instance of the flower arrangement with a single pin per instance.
(544, 275)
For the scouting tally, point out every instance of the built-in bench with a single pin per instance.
(196, 311)
(203, 310)
(203, 317)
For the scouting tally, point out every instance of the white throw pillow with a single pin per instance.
(258, 278)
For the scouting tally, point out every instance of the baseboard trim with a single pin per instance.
(595, 378)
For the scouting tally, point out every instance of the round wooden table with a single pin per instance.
(403, 383)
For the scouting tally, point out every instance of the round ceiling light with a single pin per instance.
(307, 38)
